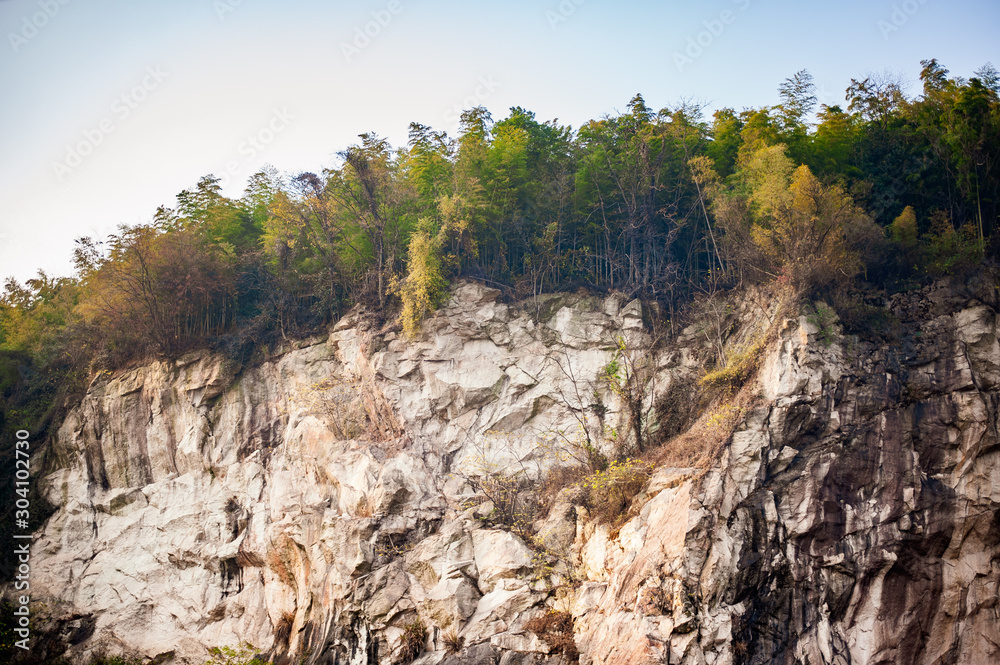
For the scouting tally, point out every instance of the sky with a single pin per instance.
(112, 107)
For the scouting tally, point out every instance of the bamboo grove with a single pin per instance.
(660, 204)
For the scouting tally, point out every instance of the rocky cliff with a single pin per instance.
(840, 508)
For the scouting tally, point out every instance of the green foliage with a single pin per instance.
(659, 203)
(242, 654)
(726, 140)
(823, 318)
(613, 374)
(947, 250)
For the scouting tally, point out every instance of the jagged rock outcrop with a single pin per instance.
(852, 518)
(318, 503)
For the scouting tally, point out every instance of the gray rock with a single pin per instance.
(850, 517)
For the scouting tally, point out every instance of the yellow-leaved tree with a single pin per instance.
(424, 286)
(781, 221)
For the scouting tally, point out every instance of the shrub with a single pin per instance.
(947, 251)
(101, 658)
(739, 367)
(414, 636)
(903, 229)
(452, 642)
(424, 286)
(283, 629)
(610, 491)
(556, 628)
(496, 472)
(870, 321)
(824, 319)
(244, 654)
(555, 481)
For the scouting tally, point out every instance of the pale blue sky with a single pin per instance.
(159, 94)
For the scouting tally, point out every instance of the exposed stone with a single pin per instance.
(852, 517)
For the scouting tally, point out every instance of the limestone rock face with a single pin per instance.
(322, 501)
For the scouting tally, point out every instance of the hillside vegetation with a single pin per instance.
(662, 205)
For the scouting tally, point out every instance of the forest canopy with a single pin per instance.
(660, 204)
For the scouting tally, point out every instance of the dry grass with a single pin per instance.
(554, 482)
(610, 492)
(701, 444)
(556, 629)
(414, 636)
(729, 393)
(384, 426)
(452, 642)
(364, 508)
(740, 367)
(283, 629)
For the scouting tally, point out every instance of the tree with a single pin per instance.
(370, 198)
(798, 100)
(781, 220)
(157, 291)
(811, 232)
(876, 97)
(760, 130)
(428, 165)
(424, 286)
(833, 143)
(726, 140)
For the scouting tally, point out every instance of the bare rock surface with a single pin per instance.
(319, 503)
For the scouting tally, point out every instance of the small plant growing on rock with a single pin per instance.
(556, 629)
(244, 654)
(452, 642)
(283, 629)
(610, 491)
(101, 658)
(740, 366)
(414, 637)
(497, 473)
(824, 319)
(630, 375)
